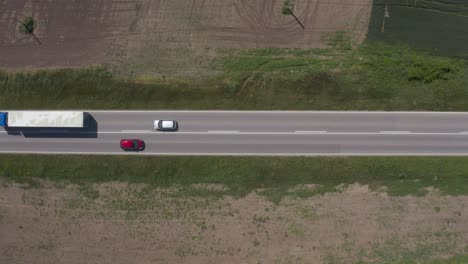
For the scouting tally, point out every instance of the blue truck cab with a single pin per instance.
(3, 119)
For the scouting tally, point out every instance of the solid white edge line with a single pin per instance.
(244, 111)
(238, 154)
(274, 111)
(270, 133)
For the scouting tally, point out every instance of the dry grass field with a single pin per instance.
(135, 223)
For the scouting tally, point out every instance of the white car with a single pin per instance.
(166, 125)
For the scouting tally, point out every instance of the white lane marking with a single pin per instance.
(262, 133)
(235, 154)
(135, 131)
(395, 132)
(310, 132)
(315, 133)
(217, 132)
(268, 111)
(252, 111)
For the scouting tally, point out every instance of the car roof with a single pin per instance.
(130, 139)
(127, 142)
(167, 123)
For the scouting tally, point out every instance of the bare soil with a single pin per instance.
(120, 223)
(160, 37)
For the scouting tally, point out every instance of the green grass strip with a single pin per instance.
(242, 175)
(372, 77)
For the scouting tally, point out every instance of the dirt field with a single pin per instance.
(160, 37)
(116, 223)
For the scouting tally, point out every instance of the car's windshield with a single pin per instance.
(135, 143)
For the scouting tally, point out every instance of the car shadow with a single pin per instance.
(90, 131)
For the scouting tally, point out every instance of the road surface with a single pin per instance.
(287, 133)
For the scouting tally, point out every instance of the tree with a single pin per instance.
(27, 26)
(286, 10)
(286, 7)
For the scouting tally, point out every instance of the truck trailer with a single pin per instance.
(43, 119)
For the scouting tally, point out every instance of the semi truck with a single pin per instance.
(43, 119)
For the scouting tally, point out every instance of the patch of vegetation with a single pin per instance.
(27, 26)
(88, 191)
(261, 219)
(275, 194)
(372, 77)
(425, 247)
(295, 230)
(432, 69)
(242, 175)
(307, 213)
(339, 40)
(48, 246)
(287, 6)
(461, 259)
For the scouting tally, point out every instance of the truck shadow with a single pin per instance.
(88, 132)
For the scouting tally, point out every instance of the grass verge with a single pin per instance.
(276, 177)
(371, 77)
(460, 259)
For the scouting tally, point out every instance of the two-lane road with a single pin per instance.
(288, 121)
(259, 133)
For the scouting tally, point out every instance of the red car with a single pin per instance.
(132, 144)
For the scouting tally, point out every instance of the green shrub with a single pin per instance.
(432, 69)
(339, 40)
(28, 25)
(316, 83)
(286, 7)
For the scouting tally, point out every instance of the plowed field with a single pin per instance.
(165, 37)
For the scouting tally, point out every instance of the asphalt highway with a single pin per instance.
(287, 133)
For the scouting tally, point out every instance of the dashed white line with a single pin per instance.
(235, 153)
(310, 132)
(219, 131)
(395, 132)
(136, 131)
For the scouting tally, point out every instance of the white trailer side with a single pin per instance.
(66, 119)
